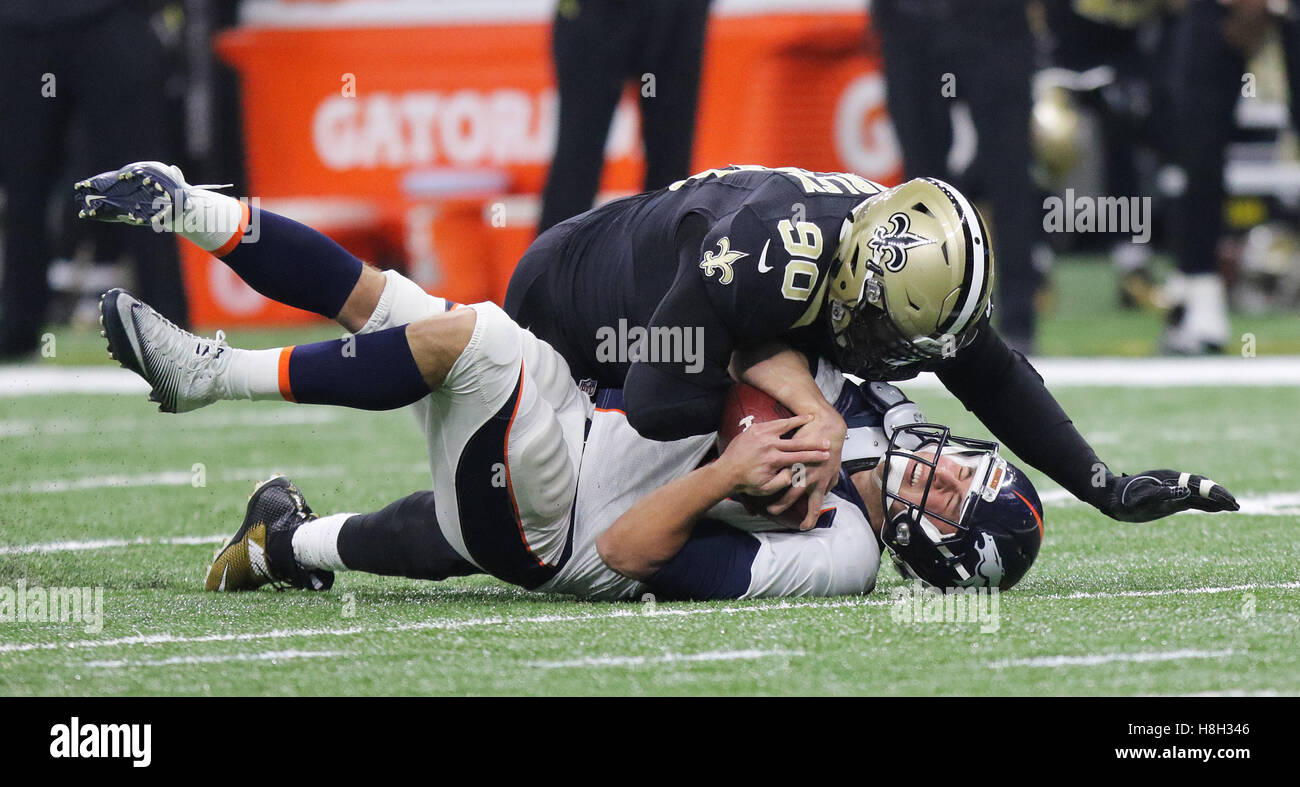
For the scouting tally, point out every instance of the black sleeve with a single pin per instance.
(1007, 394)
(661, 406)
(669, 399)
(733, 288)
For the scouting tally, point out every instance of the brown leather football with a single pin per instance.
(746, 406)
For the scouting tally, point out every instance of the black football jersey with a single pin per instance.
(765, 260)
(651, 294)
(667, 283)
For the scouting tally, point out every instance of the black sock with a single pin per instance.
(401, 540)
(284, 566)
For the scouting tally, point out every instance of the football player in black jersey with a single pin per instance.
(667, 295)
(672, 293)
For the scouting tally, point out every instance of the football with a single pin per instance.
(746, 406)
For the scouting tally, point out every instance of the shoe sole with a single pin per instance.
(120, 195)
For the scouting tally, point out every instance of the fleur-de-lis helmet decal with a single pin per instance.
(890, 241)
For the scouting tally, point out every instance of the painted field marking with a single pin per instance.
(279, 416)
(1273, 504)
(430, 625)
(106, 543)
(630, 611)
(182, 478)
(666, 658)
(1266, 504)
(1236, 693)
(1270, 370)
(1111, 372)
(40, 380)
(162, 478)
(1233, 434)
(272, 655)
(1205, 591)
(1098, 659)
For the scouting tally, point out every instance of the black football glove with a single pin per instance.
(1159, 493)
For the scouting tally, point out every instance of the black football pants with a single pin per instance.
(109, 71)
(1207, 73)
(598, 46)
(987, 48)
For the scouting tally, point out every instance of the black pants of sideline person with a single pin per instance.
(109, 69)
(598, 46)
(983, 52)
(1208, 73)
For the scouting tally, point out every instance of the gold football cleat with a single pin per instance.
(245, 562)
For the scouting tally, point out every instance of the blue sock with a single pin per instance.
(295, 265)
(372, 371)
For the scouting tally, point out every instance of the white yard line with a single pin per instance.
(40, 380)
(277, 416)
(1274, 504)
(116, 480)
(1227, 372)
(183, 478)
(1277, 504)
(1055, 496)
(1237, 693)
(1234, 434)
(163, 478)
(272, 655)
(1278, 370)
(1207, 591)
(667, 658)
(106, 543)
(1266, 504)
(1096, 660)
(643, 611)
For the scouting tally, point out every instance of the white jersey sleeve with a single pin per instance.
(841, 559)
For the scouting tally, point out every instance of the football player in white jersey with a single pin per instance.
(539, 485)
(533, 482)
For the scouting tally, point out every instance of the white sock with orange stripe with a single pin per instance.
(256, 374)
(212, 221)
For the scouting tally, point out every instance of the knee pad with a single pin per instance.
(402, 301)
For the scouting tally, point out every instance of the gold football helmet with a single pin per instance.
(913, 278)
(1055, 129)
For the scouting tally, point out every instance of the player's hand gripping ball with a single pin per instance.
(747, 406)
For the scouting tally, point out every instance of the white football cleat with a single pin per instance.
(186, 371)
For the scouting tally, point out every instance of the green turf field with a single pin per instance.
(101, 491)
(1198, 603)
(1082, 319)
